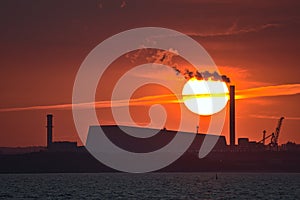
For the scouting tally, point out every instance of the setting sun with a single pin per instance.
(205, 97)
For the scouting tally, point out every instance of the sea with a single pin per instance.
(151, 186)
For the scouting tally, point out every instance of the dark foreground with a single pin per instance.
(83, 162)
(151, 186)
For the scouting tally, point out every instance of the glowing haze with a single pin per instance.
(254, 44)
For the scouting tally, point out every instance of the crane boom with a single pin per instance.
(278, 129)
(265, 138)
(275, 135)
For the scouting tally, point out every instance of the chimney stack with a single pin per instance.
(49, 130)
(232, 115)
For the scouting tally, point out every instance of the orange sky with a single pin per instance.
(43, 44)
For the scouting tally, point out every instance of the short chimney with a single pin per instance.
(49, 130)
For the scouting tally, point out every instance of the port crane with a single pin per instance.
(274, 136)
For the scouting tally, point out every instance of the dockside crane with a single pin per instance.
(274, 136)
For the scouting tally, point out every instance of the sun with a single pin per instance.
(205, 97)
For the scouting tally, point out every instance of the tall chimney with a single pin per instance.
(49, 130)
(232, 115)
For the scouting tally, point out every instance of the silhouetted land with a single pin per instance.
(73, 162)
(65, 157)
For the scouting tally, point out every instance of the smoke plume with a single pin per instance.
(168, 57)
(206, 75)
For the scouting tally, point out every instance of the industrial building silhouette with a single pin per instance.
(134, 144)
(250, 156)
(164, 136)
(63, 156)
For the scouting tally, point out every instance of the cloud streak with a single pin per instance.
(234, 31)
(267, 91)
(273, 117)
(148, 100)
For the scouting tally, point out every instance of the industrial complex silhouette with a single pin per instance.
(66, 156)
(114, 133)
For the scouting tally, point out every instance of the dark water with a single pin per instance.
(150, 186)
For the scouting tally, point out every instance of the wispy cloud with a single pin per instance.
(234, 30)
(268, 91)
(123, 4)
(260, 116)
(147, 100)
(242, 75)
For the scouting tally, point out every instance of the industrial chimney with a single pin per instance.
(232, 115)
(49, 130)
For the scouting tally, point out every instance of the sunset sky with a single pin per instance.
(43, 43)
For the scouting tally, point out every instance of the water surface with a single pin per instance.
(151, 185)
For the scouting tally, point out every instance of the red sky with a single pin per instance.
(44, 43)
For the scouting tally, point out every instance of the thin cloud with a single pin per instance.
(148, 100)
(233, 30)
(273, 117)
(268, 91)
